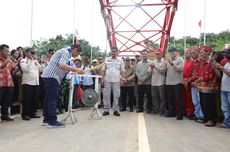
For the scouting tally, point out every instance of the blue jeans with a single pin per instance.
(225, 106)
(50, 89)
(196, 102)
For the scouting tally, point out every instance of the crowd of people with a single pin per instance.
(196, 86)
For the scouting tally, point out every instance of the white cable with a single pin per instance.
(73, 21)
(31, 23)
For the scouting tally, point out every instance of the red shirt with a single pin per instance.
(195, 67)
(209, 78)
(5, 74)
(206, 71)
(187, 68)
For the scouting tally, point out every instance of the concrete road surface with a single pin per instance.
(131, 132)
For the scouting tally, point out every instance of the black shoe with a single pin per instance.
(155, 112)
(123, 109)
(148, 112)
(179, 118)
(193, 118)
(168, 114)
(105, 113)
(116, 113)
(35, 116)
(6, 118)
(139, 111)
(162, 114)
(100, 106)
(74, 107)
(25, 117)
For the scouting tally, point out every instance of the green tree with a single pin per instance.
(42, 46)
(151, 45)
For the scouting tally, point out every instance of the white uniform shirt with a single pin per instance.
(30, 69)
(113, 69)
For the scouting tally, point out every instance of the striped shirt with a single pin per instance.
(52, 70)
(87, 80)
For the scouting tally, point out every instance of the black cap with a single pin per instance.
(29, 50)
(114, 48)
(172, 50)
(227, 51)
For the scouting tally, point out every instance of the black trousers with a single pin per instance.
(6, 94)
(30, 99)
(208, 105)
(175, 97)
(127, 90)
(15, 94)
(87, 87)
(142, 90)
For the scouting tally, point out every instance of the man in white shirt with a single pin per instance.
(112, 72)
(158, 69)
(225, 90)
(174, 82)
(30, 84)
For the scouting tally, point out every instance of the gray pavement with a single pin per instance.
(171, 135)
(112, 134)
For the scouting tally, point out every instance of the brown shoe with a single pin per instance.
(210, 123)
(222, 126)
(199, 120)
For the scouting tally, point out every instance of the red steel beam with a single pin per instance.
(109, 10)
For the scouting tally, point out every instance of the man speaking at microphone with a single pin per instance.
(52, 75)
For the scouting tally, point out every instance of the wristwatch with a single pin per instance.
(172, 64)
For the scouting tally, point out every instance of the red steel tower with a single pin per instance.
(130, 24)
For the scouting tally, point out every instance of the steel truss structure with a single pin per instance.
(131, 24)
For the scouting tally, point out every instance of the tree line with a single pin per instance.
(216, 41)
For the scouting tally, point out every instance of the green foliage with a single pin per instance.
(42, 46)
(151, 45)
(216, 41)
